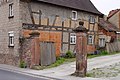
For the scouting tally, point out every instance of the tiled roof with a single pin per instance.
(113, 12)
(107, 25)
(82, 5)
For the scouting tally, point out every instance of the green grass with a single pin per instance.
(101, 54)
(61, 61)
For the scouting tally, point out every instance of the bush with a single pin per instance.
(104, 52)
(69, 54)
(22, 64)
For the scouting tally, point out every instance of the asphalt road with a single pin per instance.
(6, 75)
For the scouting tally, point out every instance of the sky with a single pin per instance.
(105, 6)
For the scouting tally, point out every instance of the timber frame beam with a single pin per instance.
(46, 28)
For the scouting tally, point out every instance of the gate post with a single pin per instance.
(81, 50)
(35, 48)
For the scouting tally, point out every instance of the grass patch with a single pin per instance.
(58, 62)
(103, 53)
(61, 61)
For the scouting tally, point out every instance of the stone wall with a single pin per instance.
(30, 51)
(9, 55)
(9, 59)
(26, 51)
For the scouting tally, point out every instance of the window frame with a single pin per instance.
(72, 38)
(11, 39)
(92, 19)
(91, 40)
(11, 13)
(74, 16)
(103, 42)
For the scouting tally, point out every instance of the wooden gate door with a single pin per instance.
(47, 51)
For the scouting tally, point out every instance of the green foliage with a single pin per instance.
(22, 64)
(69, 54)
(104, 53)
(58, 62)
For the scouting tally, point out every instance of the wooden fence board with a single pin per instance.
(113, 47)
(47, 50)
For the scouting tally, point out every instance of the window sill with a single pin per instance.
(72, 44)
(11, 17)
(92, 22)
(74, 19)
(11, 46)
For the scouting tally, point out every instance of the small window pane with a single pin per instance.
(74, 15)
(11, 9)
(72, 38)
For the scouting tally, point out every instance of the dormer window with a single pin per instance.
(74, 15)
(11, 15)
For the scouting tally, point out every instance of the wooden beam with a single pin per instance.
(47, 21)
(62, 37)
(69, 41)
(55, 20)
(40, 13)
(31, 14)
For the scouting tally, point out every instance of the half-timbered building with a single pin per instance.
(53, 19)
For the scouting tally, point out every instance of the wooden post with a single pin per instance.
(81, 51)
(40, 13)
(35, 49)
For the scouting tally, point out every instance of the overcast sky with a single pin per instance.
(105, 6)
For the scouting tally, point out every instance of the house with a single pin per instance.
(107, 33)
(53, 19)
(114, 18)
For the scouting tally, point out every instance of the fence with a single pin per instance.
(113, 47)
(47, 51)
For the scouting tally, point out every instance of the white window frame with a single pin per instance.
(92, 19)
(74, 15)
(72, 38)
(102, 42)
(11, 14)
(11, 39)
(90, 39)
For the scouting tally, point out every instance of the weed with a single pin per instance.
(22, 64)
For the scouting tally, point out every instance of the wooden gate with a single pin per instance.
(47, 51)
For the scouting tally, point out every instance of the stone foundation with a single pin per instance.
(9, 59)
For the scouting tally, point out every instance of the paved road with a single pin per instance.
(64, 71)
(6, 75)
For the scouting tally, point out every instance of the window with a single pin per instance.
(74, 15)
(72, 38)
(90, 39)
(92, 19)
(11, 10)
(102, 42)
(11, 39)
